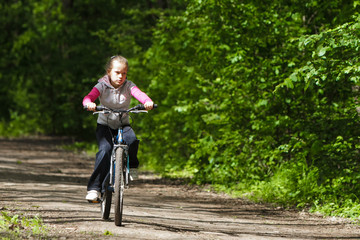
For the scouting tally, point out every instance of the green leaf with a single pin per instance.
(322, 51)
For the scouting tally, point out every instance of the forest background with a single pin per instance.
(257, 98)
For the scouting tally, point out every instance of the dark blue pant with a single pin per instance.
(104, 136)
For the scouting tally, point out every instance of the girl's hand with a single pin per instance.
(149, 105)
(91, 106)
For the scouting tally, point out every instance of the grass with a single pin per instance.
(21, 227)
(89, 148)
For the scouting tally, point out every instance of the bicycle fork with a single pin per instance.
(113, 166)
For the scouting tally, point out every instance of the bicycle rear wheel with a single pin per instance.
(106, 204)
(119, 185)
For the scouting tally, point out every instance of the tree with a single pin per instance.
(54, 52)
(249, 99)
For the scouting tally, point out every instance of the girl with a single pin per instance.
(114, 91)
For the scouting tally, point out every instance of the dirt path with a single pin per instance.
(36, 177)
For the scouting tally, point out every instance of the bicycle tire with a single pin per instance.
(106, 204)
(119, 185)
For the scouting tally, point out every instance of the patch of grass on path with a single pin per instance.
(21, 227)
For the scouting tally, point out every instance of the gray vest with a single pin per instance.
(110, 97)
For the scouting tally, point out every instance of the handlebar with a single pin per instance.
(133, 109)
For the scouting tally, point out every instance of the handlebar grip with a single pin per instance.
(141, 106)
(98, 108)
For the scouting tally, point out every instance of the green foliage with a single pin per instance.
(258, 97)
(89, 147)
(108, 233)
(291, 184)
(19, 125)
(54, 51)
(17, 227)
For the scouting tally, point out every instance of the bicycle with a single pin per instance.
(119, 177)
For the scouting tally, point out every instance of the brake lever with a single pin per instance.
(139, 111)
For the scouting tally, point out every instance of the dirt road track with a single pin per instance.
(37, 177)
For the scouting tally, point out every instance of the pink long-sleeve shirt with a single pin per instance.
(135, 92)
(119, 98)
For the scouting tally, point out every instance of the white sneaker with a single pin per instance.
(92, 195)
(133, 174)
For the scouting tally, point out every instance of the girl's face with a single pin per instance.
(117, 74)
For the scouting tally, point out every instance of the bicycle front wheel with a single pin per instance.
(119, 185)
(106, 204)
